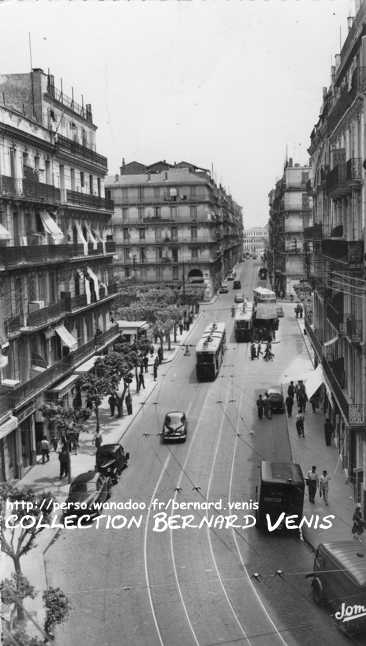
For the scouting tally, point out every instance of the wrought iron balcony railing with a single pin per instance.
(344, 177)
(82, 151)
(87, 200)
(346, 251)
(29, 190)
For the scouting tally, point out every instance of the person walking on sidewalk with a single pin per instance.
(302, 399)
(358, 523)
(300, 424)
(112, 403)
(141, 380)
(253, 352)
(181, 327)
(312, 481)
(314, 403)
(267, 407)
(291, 390)
(63, 457)
(328, 431)
(324, 486)
(259, 349)
(128, 401)
(289, 405)
(98, 440)
(155, 369)
(146, 362)
(260, 406)
(45, 449)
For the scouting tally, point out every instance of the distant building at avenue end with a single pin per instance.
(56, 253)
(255, 240)
(173, 223)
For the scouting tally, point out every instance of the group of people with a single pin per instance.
(297, 392)
(299, 310)
(187, 320)
(256, 351)
(315, 483)
(264, 406)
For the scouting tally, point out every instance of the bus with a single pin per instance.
(265, 321)
(263, 295)
(280, 491)
(243, 323)
(210, 352)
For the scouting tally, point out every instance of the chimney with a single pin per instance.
(332, 72)
(290, 162)
(349, 22)
(122, 169)
(337, 60)
(325, 92)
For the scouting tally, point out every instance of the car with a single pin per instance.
(238, 298)
(87, 489)
(110, 460)
(175, 426)
(224, 289)
(231, 277)
(236, 284)
(277, 401)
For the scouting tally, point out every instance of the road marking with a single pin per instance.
(145, 551)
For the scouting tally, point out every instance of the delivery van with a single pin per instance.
(338, 581)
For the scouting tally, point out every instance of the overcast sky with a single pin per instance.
(227, 83)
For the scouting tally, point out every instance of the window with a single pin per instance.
(175, 273)
(91, 185)
(142, 234)
(48, 171)
(72, 179)
(82, 179)
(124, 195)
(194, 212)
(173, 212)
(142, 255)
(174, 233)
(160, 253)
(194, 253)
(124, 215)
(127, 255)
(141, 214)
(157, 212)
(157, 234)
(193, 191)
(193, 233)
(126, 234)
(156, 192)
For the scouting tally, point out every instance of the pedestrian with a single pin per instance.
(314, 403)
(358, 523)
(141, 381)
(112, 403)
(75, 442)
(155, 369)
(54, 438)
(128, 401)
(63, 457)
(160, 354)
(291, 389)
(98, 440)
(301, 311)
(119, 404)
(260, 406)
(259, 349)
(45, 449)
(328, 431)
(324, 486)
(303, 398)
(181, 327)
(146, 362)
(253, 351)
(300, 424)
(312, 481)
(267, 407)
(137, 377)
(289, 405)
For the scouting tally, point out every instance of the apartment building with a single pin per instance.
(290, 211)
(56, 253)
(337, 331)
(255, 240)
(172, 223)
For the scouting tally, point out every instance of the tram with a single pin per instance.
(210, 352)
(280, 489)
(243, 323)
(263, 295)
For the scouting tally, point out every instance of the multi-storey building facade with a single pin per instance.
(56, 256)
(290, 211)
(173, 223)
(337, 236)
(255, 240)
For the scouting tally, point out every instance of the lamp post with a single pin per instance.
(183, 283)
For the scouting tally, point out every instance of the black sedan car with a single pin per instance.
(175, 426)
(86, 490)
(276, 399)
(110, 460)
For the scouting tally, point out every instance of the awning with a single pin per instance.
(64, 386)
(51, 227)
(66, 338)
(7, 427)
(94, 278)
(314, 382)
(87, 289)
(4, 233)
(86, 366)
(3, 361)
(81, 239)
(38, 360)
(266, 311)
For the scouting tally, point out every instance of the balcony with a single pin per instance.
(63, 143)
(61, 369)
(349, 252)
(353, 328)
(353, 413)
(14, 257)
(344, 177)
(88, 201)
(45, 314)
(313, 233)
(29, 190)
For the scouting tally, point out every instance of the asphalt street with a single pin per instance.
(196, 586)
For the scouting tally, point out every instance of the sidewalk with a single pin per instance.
(45, 477)
(312, 450)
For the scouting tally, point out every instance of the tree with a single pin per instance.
(18, 541)
(98, 386)
(67, 422)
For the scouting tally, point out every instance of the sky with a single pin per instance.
(225, 84)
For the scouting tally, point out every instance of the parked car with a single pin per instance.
(277, 401)
(224, 288)
(87, 488)
(175, 426)
(238, 298)
(110, 460)
(236, 284)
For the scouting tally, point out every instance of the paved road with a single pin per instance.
(139, 587)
